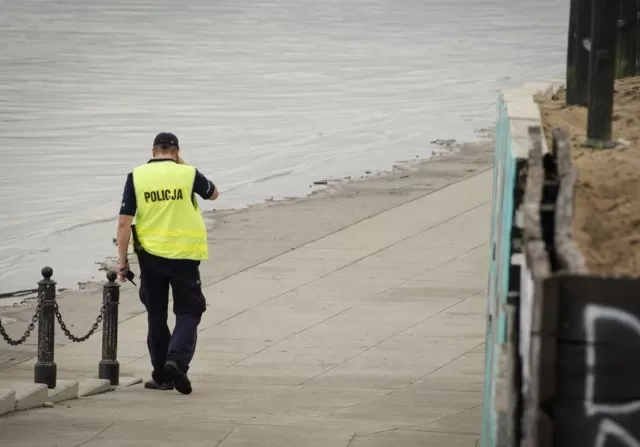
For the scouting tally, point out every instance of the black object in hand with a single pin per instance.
(130, 277)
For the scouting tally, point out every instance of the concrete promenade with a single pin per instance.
(369, 334)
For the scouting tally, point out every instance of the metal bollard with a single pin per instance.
(109, 367)
(45, 370)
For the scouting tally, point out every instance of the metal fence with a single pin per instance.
(47, 312)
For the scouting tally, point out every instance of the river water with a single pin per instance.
(266, 96)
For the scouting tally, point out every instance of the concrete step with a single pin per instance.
(64, 390)
(89, 387)
(20, 395)
(27, 395)
(126, 382)
(7, 401)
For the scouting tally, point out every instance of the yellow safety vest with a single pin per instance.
(168, 223)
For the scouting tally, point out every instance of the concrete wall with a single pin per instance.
(517, 111)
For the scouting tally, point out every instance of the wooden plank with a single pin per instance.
(546, 374)
(544, 430)
(546, 296)
(539, 428)
(572, 46)
(568, 254)
(574, 358)
(536, 426)
(604, 32)
(534, 248)
(627, 50)
(592, 309)
(620, 385)
(578, 53)
(574, 428)
(548, 314)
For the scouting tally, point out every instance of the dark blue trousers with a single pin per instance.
(157, 275)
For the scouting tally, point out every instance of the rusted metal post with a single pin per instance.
(45, 370)
(109, 367)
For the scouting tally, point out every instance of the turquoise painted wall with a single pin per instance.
(499, 263)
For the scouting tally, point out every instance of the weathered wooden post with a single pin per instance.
(578, 52)
(638, 40)
(45, 370)
(627, 51)
(570, 83)
(602, 72)
(109, 367)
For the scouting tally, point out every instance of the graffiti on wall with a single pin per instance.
(589, 363)
(608, 427)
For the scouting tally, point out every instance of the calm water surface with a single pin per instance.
(266, 96)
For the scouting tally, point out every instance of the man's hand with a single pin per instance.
(122, 241)
(123, 268)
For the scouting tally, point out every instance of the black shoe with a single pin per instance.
(180, 380)
(162, 386)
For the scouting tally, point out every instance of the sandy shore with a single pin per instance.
(242, 239)
(607, 210)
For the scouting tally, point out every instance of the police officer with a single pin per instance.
(170, 239)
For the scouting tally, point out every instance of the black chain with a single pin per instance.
(93, 329)
(30, 328)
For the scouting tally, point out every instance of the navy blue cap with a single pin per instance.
(166, 139)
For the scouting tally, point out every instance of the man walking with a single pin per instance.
(170, 239)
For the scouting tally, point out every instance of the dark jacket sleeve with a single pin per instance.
(203, 186)
(129, 205)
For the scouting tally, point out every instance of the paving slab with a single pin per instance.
(466, 421)
(350, 320)
(414, 438)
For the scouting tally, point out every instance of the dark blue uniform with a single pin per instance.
(156, 275)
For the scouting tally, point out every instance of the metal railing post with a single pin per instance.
(45, 370)
(109, 367)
